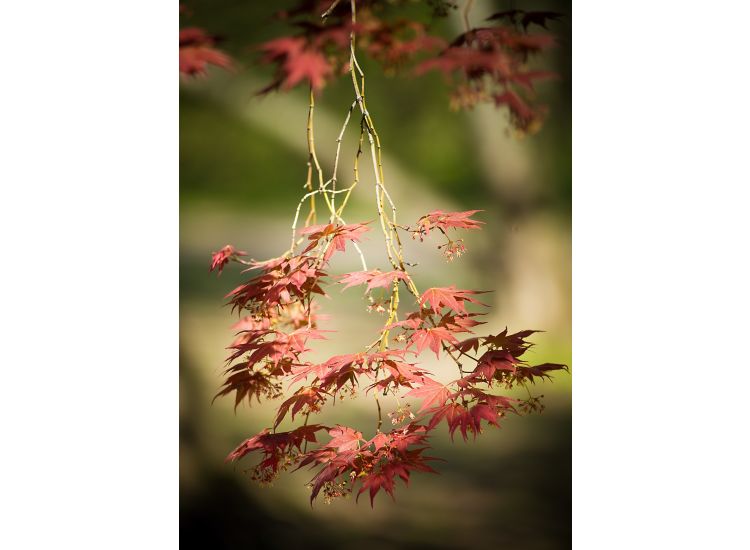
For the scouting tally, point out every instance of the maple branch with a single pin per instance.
(339, 139)
(380, 416)
(458, 364)
(309, 195)
(313, 154)
(293, 281)
(322, 187)
(387, 225)
(356, 168)
(467, 9)
(330, 9)
(392, 314)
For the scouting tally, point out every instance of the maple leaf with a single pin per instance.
(459, 417)
(515, 343)
(283, 346)
(524, 372)
(460, 323)
(297, 62)
(394, 43)
(492, 361)
(431, 392)
(400, 374)
(340, 369)
(503, 39)
(248, 383)
(279, 440)
(374, 278)
(344, 439)
(311, 398)
(445, 220)
(379, 441)
(197, 51)
(307, 65)
(433, 337)
(413, 321)
(376, 463)
(500, 402)
(339, 235)
(400, 462)
(470, 344)
(276, 448)
(469, 61)
(461, 220)
(448, 297)
(250, 323)
(221, 258)
(281, 282)
(503, 365)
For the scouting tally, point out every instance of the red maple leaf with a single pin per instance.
(492, 361)
(448, 297)
(431, 392)
(446, 220)
(283, 346)
(277, 449)
(399, 463)
(311, 398)
(464, 419)
(336, 371)
(468, 61)
(460, 323)
(515, 343)
(339, 235)
(248, 383)
(413, 321)
(374, 278)
(297, 62)
(344, 439)
(197, 51)
(281, 282)
(432, 337)
(221, 258)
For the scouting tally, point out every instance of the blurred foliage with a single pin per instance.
(227, 160)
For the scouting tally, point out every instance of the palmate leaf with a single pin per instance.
(449, 297)
(465, 419)
(296, 62)
(310, 398)
(248, 384)
(344, 439)
(339, 235)
(447, 220)
(197, 51)
(373, 279)
(431, 392)
(433, 337)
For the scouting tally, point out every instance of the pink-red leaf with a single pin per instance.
(450, 297)
(431, 392)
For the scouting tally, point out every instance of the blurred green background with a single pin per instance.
(242, 167)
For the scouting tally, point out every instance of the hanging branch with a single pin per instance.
(281, 322)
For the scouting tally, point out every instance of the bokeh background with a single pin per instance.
(242, 167)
